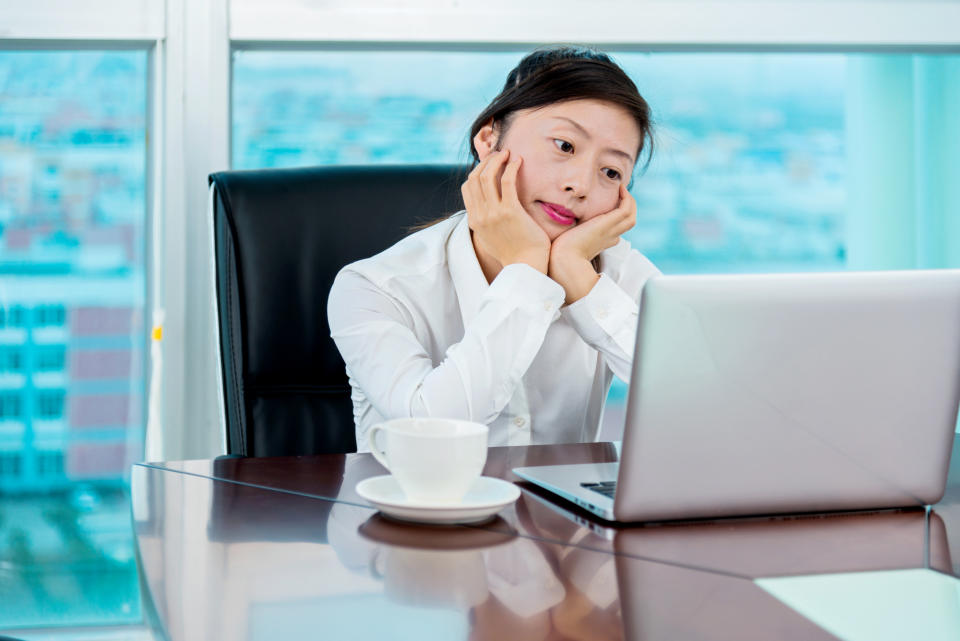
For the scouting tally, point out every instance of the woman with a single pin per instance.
(518, 312)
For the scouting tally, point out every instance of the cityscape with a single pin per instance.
(747, 175)
(72, 338)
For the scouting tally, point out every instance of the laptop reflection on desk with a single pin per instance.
(855, 576)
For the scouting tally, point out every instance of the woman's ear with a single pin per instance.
(485, 142)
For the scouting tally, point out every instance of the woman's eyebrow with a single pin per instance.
(586, 135)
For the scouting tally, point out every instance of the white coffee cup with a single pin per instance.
(435, 460)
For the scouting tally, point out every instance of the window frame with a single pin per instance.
(703, 24)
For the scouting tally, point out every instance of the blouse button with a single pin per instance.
(601, 313)
(519, 421)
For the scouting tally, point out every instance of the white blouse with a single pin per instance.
(423, 334)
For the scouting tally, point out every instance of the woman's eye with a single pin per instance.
(563, 145)
(612, 174)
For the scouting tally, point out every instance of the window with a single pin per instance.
(72, 256)
(50, 404)
(45, 315)
(11, 464)
(49, 463)
(11, 359)
(11, 405)
(760, 158)
(748, 173)
(13, 316)
(50, 358)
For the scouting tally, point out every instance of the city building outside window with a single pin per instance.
(73, 168)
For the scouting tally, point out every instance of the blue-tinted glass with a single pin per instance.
(748, 173)
(72, 292)
(313, 108)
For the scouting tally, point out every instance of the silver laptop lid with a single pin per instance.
(791, 393)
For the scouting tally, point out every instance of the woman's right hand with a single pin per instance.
(501, 227)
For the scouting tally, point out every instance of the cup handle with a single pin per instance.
(375, 564)
(378, 453)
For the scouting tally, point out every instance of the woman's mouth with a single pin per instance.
(558, 213)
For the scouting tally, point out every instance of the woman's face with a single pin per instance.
(576, 154)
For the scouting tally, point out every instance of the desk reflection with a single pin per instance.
(256, 557)
(229, 561)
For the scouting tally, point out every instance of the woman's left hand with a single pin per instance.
(572, 252)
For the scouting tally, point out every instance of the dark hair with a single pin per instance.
(561, 73)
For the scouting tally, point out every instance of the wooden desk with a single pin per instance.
(282, 548)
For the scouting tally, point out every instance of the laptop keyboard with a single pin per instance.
(607, 488)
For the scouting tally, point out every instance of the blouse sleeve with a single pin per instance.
(606, 318)
(477, 376)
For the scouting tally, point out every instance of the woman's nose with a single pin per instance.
(577, 180)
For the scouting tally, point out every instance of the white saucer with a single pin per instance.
(487, 497)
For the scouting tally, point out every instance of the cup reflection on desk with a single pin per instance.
(427, 578)
(432, 566)
(505, 582)
(434, 460)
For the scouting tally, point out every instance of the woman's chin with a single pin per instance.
(550, 227)
(552, 230)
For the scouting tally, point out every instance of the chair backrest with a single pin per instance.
(280, 237)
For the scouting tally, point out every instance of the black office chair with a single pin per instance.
(281, 236)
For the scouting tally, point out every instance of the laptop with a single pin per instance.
(781, 393)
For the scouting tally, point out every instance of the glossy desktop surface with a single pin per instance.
(282, 548)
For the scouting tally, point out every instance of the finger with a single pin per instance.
(628, 207)
(627, 202)
(610, 226)
(508, 183)
(610, 221)
(473, 202)
(625, 217)
(470, 191)
(473, 179)
(475, 172)
(624, 209)
(490, 176)
(467, 193)
(624, 227)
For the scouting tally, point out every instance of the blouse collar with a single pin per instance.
(468, 279)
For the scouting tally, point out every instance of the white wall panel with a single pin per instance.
(196, 108)
(805, 23)
(75, 20)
